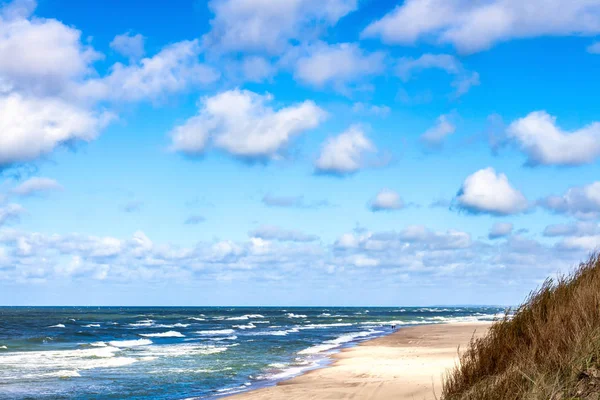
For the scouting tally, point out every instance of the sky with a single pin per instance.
(296, 152)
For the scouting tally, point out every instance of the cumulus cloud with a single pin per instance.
(336, 64)
(40, 55)
(386, 200)
(271, 232)
(500, 230)
(36, 185)
(129, 45)
(174, 69)
(33, 127)
(346, 153)
(243, 124)
(265, 26)
(435, 136)
(586, 243)
(489, 192)
(463, 80)
(545, 143)
(477, 26)
(579, 202)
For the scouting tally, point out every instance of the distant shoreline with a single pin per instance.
(405, 364)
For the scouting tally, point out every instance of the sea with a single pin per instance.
(185, 353)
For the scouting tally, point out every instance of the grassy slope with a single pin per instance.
(549, 349)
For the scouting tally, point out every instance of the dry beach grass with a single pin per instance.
(549, 349)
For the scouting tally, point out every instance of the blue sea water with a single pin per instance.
(183, 353)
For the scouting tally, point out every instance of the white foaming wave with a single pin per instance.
(92, 326)
(177, 325)
(163, 334)
(3, 347)
(57, 326)
(215, 332)
(317, 326)
(292, 315)
(245, 317)
(188, 370)
(98, 344)
(142, 323)
(324, 315)
(130, 343)
(65, 373)
(247, 326)
(40, 364)
(197, 319)
(260, 322)
(179, 350)
(224, 338)
(334, 343)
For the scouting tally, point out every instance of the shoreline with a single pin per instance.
(405, 364)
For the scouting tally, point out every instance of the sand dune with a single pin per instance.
(407, 364)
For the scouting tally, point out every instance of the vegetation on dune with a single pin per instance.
(548, 349)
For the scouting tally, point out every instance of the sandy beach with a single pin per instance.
(407, 364)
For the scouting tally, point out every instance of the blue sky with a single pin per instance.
(263, 152)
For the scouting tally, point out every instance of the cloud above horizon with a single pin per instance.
(243, 124)
(477, 26)
(488, 192)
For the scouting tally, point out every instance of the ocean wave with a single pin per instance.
(247, 326)
(130, 343)
(245, 317)
(292, 315)
(177, 325)
(163, 334)
(179, 350)
(317, 326)
(142, 323)
(3, 347)
(92, 326)
(57, 326)
(197, 319)
(65, 373)
(216, 332)
(334, 343)
(37, 364)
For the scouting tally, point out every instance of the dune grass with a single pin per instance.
(549, 348)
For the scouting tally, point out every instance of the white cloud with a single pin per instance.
(271, 232)
(580, 202)
(545, 143)
(33, 127)
(594, 48)
(386, 200)
(336, 64)
(477, 26)
(436, 135)
(500, 229)
(10, 212)
(174, 69)
(486, 191)
(257, 69)
(463, 81)
(36, 185)
(243, 124)
(129, 45)
(579, 228)
(587, 243)
(267, 26)
(344, 154)
(40, 55)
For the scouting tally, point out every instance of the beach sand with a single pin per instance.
(407, 364)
